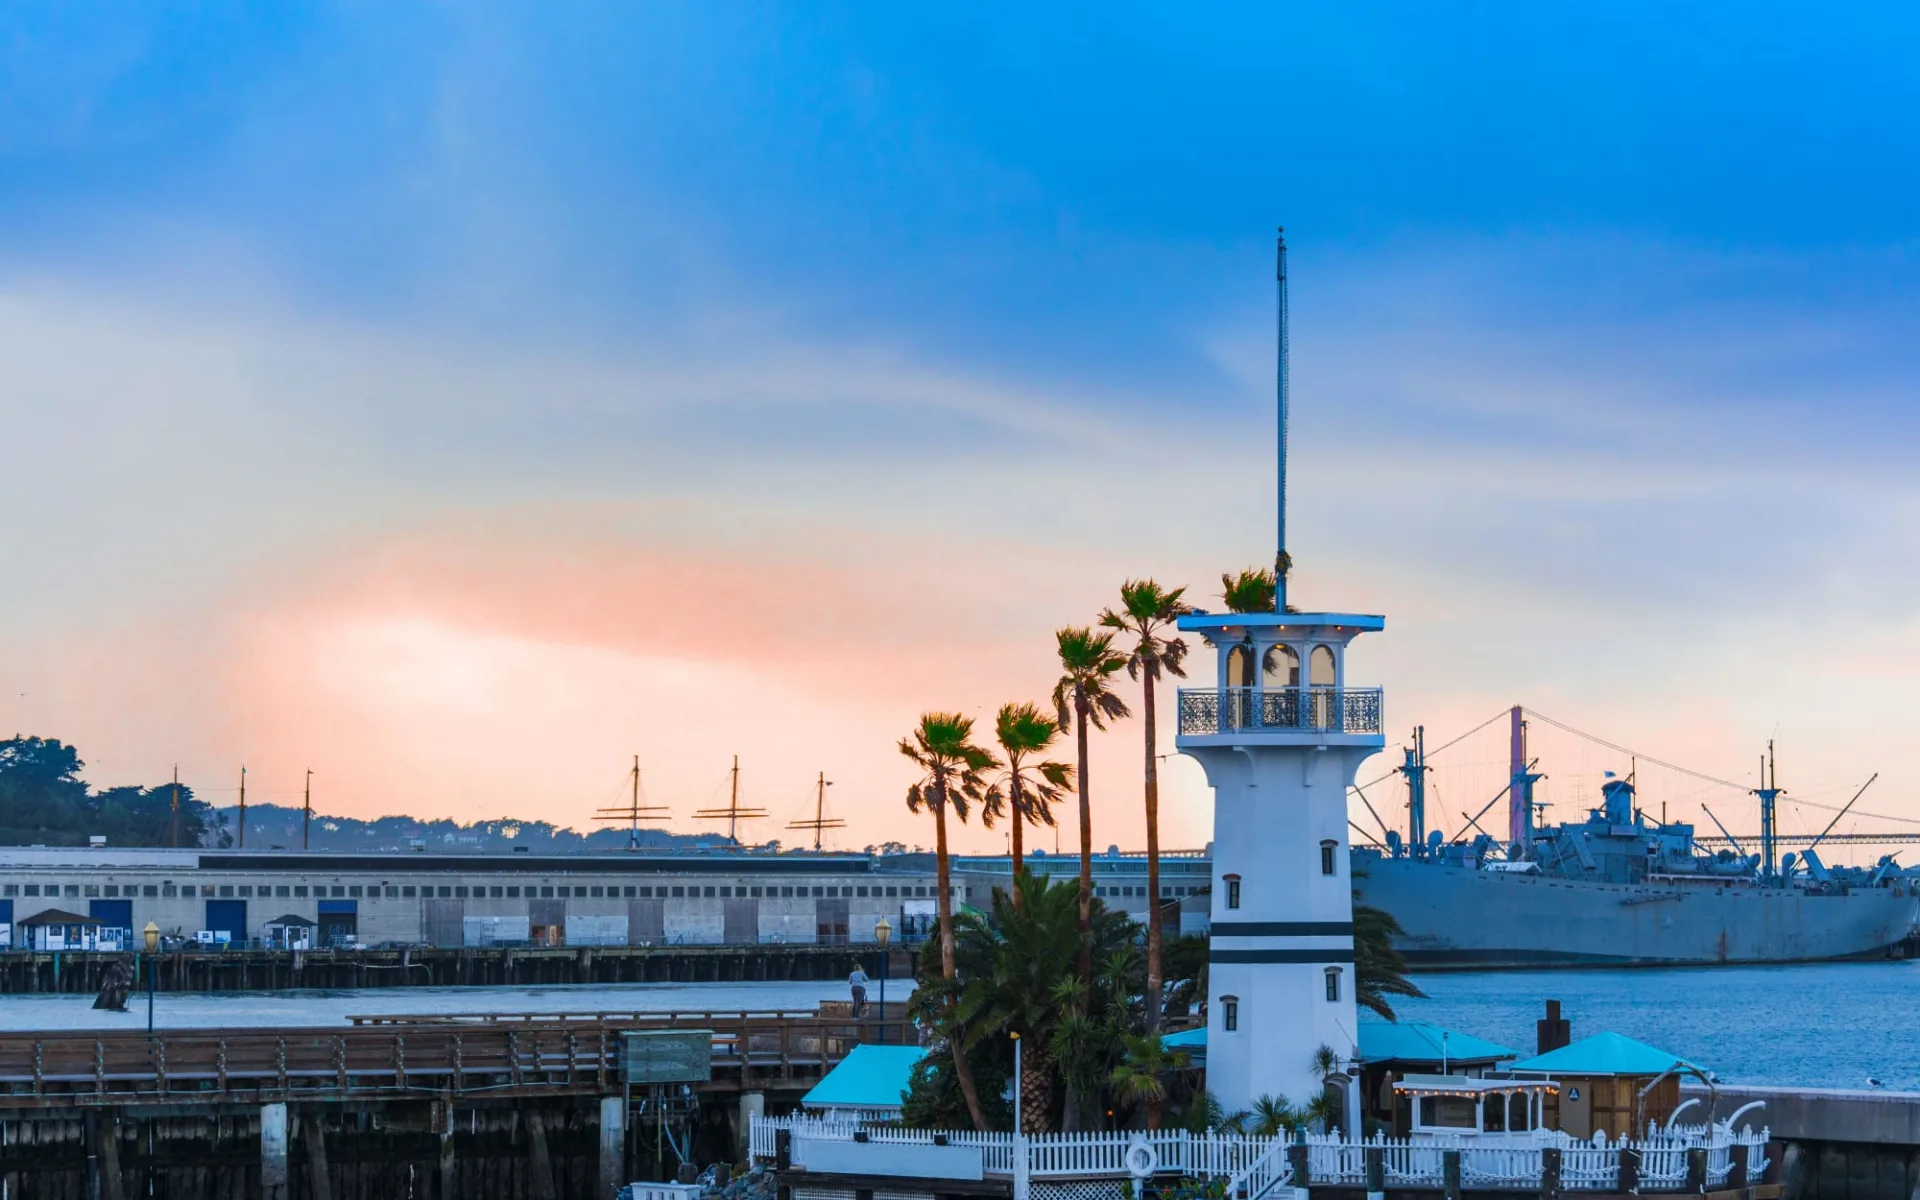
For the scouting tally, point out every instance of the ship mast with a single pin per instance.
(633, 811)
(1768, 791)
(732, 814)
(820, 819)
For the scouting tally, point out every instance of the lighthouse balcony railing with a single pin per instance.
(1211, 711)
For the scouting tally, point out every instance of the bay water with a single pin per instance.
(1832, 1025)
(1816, 1025)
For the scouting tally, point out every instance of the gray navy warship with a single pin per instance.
(1620, 889)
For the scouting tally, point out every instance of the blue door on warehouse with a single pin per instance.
(340, 922)
(227, 919)
(112, 914)
(6, 924)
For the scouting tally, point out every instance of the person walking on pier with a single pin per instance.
(858, 983)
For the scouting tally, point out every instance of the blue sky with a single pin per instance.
(1604, 322)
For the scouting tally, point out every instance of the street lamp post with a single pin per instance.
(1018, 1079)
(882, 934)
(152, 934)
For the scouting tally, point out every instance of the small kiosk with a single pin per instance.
(1392, 1052)
(1463, 1106)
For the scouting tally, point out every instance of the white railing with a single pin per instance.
(1254, 1166)
(1589, 1166)
(1501, 1166)
(1271, 1169)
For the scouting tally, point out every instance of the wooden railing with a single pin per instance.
(376, 1055)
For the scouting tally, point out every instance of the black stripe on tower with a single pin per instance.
(1329, 956)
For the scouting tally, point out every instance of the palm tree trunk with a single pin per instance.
(1086, 841)
(1036, 1089)
(943, 876)
(1018, 803)
(1153, 874)
(962, 1073)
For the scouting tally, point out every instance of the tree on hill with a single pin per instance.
(43, 799)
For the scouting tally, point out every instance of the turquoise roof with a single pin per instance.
(1418, 1041)
(1603, 1054)
(1187, 1039)
(868, 1077)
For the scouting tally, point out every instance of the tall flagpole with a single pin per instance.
(1282, 564)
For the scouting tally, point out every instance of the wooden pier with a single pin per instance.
(510, 1106)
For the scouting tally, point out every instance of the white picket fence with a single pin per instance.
(1254, 1166)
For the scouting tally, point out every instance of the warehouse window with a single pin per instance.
(513, 893)
(725, 892)
(226, 890)
(300, 890)
(340, 891)
(406, 893)
(282, 891)
(632, 891)
(33, 889)
(354, 891)
(679, 891)
(460, 893)
(709, 893)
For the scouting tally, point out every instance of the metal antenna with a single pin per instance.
(1281, 563)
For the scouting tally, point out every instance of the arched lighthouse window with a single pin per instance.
(1321, 666)
(1233, 891)
(1282, 667)
(1333, 983)
(1229, 1013)
(1240, 666)
(1326, 856)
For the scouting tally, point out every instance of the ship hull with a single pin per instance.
(1455, 917)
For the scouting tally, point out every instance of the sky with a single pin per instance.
(458, 401)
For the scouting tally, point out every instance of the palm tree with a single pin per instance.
(1085, 696)
(1271, 1117)
(1026, 790)
(1146, 612)
(1016, 974)
(1251, 591)
(1140, 1077)
(1379, 970)
(951, 766)
(1326, 1107)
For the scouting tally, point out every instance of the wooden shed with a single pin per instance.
(1610, 1083)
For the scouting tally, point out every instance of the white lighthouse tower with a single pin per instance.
(1280, 735)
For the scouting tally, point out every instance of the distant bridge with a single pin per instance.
(1858, 839)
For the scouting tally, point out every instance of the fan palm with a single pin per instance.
(1026, 790)
(1085, 697)
(951, 766)
(1140, 1077)
(1271, 1117)
(1251, 591)
(1147, 611)
(1379, 971)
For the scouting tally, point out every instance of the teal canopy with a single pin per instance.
(868, 1077)
(1603, 1054)
(1418, 1041)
